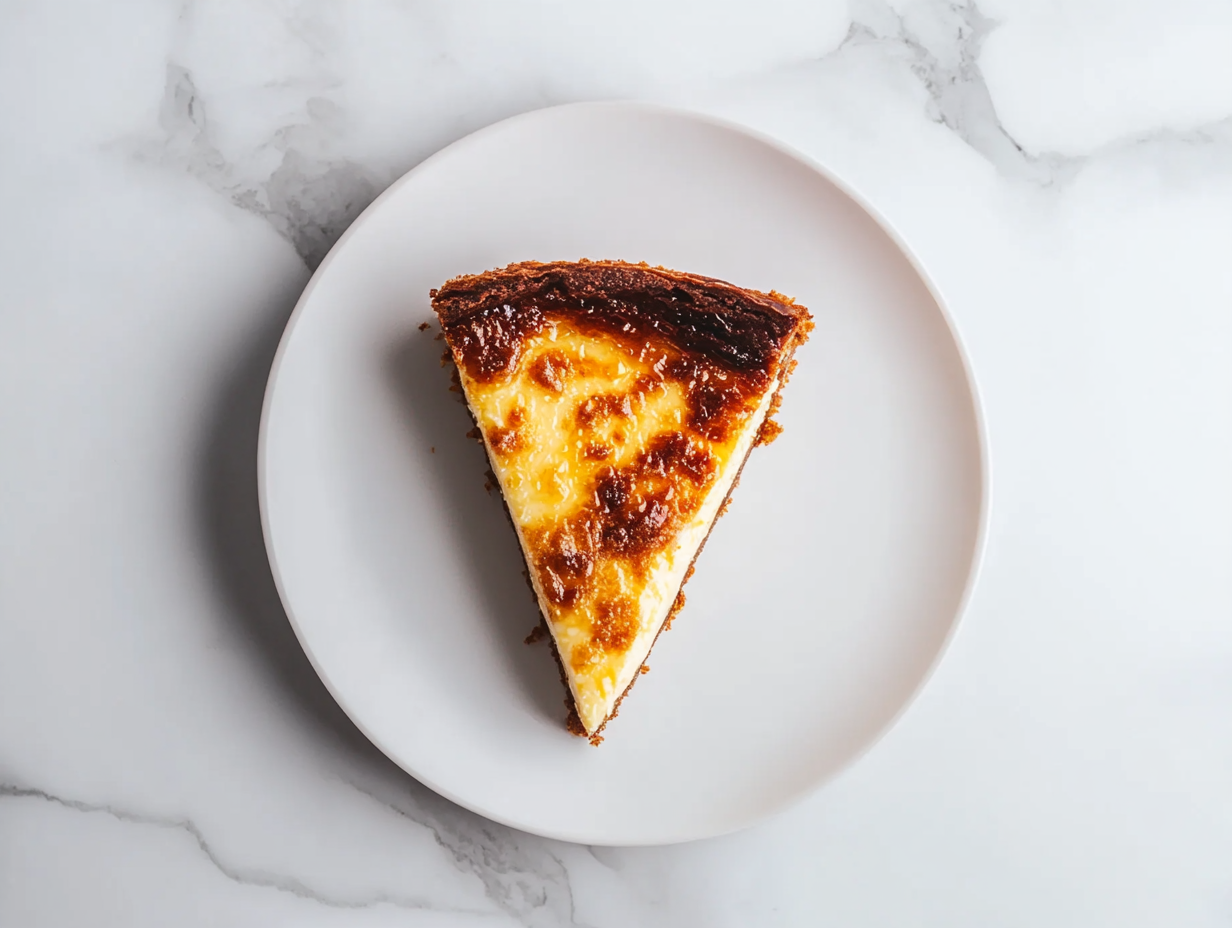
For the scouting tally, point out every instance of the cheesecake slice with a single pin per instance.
(617, 403)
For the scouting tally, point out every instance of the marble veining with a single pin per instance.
(531, 887)
(942, 43)
(308, 198)
(243, 875)
(520, 874)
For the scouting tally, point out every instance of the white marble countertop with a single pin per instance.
(171, 172)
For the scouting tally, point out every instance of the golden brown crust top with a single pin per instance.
(526, 275)
(736, 328)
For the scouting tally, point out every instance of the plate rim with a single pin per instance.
(979, 548)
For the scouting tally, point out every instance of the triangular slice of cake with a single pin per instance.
(617, 403)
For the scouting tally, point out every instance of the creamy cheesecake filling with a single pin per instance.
(577, 412)
(666, 580)
(617, 404)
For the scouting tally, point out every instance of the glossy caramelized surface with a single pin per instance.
(611, 422)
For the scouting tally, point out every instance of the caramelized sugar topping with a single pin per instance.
(626, 512)
(612, 401)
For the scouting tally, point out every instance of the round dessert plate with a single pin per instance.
(823, 597)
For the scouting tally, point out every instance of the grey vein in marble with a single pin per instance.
(942, 43)
(944, 52)
(243, 876)
(309, 198)
(519, 874)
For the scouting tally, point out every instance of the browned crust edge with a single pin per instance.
(464, 295)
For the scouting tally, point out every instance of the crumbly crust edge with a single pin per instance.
(462, 296)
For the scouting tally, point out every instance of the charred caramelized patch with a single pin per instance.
(646, 385)
(717, 399)
(507, 441)
(567, 561)
(639, 508)
(489, 344)
(673, 454)
(633, 512)
(713, 409)
(570, 561)
(603, 406)
(614, 625)
(640, 529)
(612, 491)
(550, 371)
(597, 451)
(636, 517)
(509, 438)
(557, 590)
(739, 330)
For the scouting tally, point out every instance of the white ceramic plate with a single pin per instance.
(823, 597)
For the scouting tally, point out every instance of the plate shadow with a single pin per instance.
(436, 418)
(228, 519)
